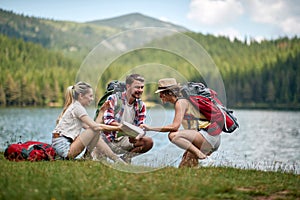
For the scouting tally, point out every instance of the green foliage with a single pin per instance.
(93, 180)
(31, 75)
(255, 75)
(275, 83)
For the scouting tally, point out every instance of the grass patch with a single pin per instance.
(93, 180)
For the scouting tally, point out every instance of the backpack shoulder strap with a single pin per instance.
(140, 104)
(101, 102)
(118, 104)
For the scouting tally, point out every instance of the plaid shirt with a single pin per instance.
(110, 115)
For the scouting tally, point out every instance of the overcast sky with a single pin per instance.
(258, 19)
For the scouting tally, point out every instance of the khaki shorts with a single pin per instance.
(120, 145)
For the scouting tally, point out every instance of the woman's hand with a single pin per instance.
(145, 127)
(120, 127)
(105, 106)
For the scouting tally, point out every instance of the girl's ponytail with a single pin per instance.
(68, 100)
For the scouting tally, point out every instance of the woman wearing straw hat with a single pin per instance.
(198, 144)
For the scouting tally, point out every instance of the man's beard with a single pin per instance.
(137, 93)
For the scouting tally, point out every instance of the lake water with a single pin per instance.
(266, 140)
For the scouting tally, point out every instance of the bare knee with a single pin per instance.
(172, 135)
(143, 145)
(148, 144)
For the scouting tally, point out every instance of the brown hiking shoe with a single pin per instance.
(188, 160)
(127, 157)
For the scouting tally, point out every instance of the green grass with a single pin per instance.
(94, 180)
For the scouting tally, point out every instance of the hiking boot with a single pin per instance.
(121, 161)
(189, 160)
(127, 157)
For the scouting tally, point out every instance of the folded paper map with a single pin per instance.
(132, 130)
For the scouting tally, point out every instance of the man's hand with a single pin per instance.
(132, 140)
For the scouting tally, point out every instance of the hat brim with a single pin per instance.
(158, 91)
(168, 88)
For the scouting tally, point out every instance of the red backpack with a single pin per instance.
(206, 101)
(30, 151)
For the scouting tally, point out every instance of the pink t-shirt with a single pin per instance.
(70, 125)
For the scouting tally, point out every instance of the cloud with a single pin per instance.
(231, 33)
(291, 26)
(284, 14)
(216, 12)
(260, 17)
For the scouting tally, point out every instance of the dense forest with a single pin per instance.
(36, 71)
(265, 74)
(32, 75)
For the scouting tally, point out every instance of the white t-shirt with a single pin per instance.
(128, 114)
(70, 124)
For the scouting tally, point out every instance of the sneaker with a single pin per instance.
(97, 156)
(87, 155)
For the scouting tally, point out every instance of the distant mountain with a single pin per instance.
(74, 39)
(136, 20)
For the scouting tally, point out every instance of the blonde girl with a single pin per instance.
(68, 139)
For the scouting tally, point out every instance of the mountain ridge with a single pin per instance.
(136, 20)
(73, 38)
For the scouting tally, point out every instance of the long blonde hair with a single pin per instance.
(72, 94)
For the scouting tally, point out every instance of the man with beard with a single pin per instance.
(127, 106)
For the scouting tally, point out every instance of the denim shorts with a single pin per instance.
(62, 146)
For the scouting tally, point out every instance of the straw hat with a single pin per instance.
(166, 84)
